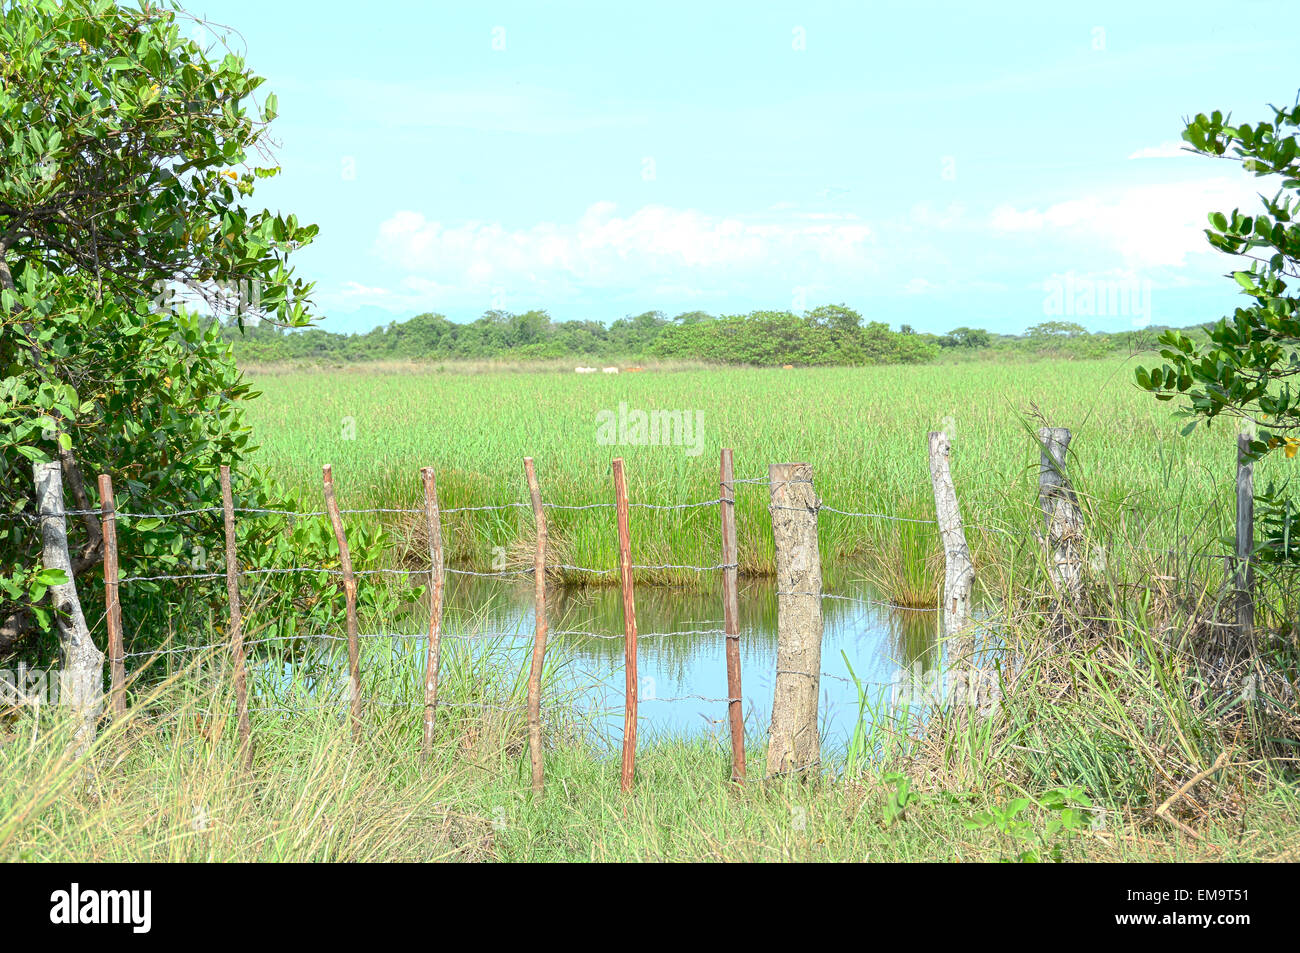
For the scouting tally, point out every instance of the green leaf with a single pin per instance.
(52, 577)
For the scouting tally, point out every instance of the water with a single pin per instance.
(879, 644)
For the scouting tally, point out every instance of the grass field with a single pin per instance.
(863, 429)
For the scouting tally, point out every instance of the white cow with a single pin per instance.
(609, 370)
(584, 370)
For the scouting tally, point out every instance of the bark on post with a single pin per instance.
(236, 617)
(112, 603)
(629, 628)
(793, 744)
(81, 683)
(1245, 570)
(433, 654)
(1063, 521)
(731, 618)
(539, 631)
(350, 597)
(959, 568)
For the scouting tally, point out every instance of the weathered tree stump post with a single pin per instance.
(959, 568)
(81, 683)
(793, 744)
(1063, 520)
(1244, 582)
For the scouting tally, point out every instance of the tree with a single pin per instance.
(128, 164)
(1055, 330)
(968, 337)
(1246, 367)
(835, 316)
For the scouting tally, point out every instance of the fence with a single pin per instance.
(794, 507)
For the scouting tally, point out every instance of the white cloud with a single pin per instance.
(601, 248)
(1148, 225)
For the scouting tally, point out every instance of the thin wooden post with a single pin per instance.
(1063, 520)
(112, 603)
(959, 568)
(731, 618)
(350, 596)
(629, 627)
(1245, 549)
(539, 630)
(433, 655)
(81, 683)
(793, 743)
(236, 615)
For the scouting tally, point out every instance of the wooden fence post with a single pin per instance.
(959, 568)
(629, 627)
(433, 654)
(236, 615)
(1245, 549)
(793, 743)
(731, 617)
(1063, 520)
(112, 603)
(81, 683)
(350, 595)
(539, 631)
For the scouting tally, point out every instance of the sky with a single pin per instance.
(931, 164)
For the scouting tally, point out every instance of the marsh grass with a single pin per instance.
(906, 566)
(862, 429)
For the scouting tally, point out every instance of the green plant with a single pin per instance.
(900, 797)
(1031, 842)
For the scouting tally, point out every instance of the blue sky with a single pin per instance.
(935, 164)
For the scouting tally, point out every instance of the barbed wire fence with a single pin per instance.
(794, 506)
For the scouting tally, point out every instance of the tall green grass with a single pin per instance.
(863, 430)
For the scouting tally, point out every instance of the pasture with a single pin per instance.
(863, 430)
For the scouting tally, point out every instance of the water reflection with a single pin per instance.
(681, 656)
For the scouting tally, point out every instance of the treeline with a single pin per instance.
(828, 335)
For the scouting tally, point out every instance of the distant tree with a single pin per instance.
(969, 337)
(1056, 330)
(838, 317)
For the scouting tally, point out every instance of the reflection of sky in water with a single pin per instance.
(489, 623)
(877, 644)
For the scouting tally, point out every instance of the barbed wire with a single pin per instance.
(859, 600)
(413, 636)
